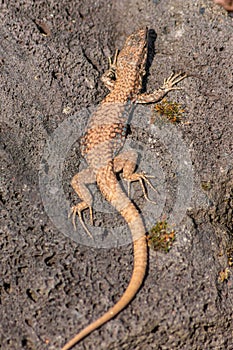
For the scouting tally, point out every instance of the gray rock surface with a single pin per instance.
(52, 56)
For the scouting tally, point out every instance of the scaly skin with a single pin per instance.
(227, 4)
(101, 147)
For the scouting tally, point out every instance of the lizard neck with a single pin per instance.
(127, 86)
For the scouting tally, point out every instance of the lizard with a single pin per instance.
(227, 4)
(102, 146)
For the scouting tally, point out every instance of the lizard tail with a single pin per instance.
(112, 191)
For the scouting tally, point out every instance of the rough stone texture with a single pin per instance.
(52, 55)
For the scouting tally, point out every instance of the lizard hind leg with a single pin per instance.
(127, 161)
(79, 182)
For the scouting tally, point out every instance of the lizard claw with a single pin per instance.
(142, 177)
(109, 77)
(77, 209)
(172, 80)
(112, 66)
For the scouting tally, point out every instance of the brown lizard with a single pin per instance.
(101, 146)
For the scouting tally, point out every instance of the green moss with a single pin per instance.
(173, 111)
(206, 185)
(161, 237)
(230, 255)
(224, 275)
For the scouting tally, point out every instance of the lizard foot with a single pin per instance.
(77, 209)
(113, 64)
(109, 77)
(142, 178)
(172, 80)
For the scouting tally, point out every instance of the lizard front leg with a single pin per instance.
(127, 161)
(79, 182)
(109, 77)
(167, 86)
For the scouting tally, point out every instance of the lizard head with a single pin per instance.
(131, 60)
